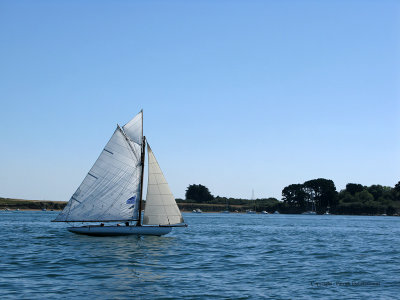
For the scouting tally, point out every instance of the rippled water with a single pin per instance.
(224, 256)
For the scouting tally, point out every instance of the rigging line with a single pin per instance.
(133, 155)
(127, 140)
(137, 169)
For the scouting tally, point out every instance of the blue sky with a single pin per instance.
(237, 95)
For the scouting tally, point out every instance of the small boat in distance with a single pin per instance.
(226, 211)
(327, 211)
(197, 211)
(264, 212)
(250, 211)
(309, 213)
(312, 211)
(112, 190)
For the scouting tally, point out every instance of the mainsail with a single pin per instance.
(161, 208)
(111, 189)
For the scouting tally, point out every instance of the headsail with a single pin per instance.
(161, 208)
(110, 191)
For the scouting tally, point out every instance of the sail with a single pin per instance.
(161, 208)
(111, 189)
(134, 128)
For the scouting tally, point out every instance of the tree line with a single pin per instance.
(319, 195)
(355, 199)
(200, 195)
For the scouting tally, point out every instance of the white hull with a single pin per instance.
(120, 230)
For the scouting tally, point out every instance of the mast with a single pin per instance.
(255, 201)
(142, 175)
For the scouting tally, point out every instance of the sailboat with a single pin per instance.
(312, 211)
(112, 190)
(249, 211)
(226, 211)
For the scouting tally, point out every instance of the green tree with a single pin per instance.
(396, 192)
(295, 196)
(354, 188)
(323, 192)
(198, 193)
(364, 197)
(390, 211)
(346, 197)
(379, 191)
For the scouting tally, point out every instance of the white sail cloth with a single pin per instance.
(134, 128)
(161, 208)
(111, 189)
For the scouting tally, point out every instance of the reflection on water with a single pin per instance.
(134, 257)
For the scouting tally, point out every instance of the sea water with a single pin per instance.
(219, 256)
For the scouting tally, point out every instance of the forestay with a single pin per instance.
(112, 187)
(161, 208)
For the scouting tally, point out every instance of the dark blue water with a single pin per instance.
(221, 256)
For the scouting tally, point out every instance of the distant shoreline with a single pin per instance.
(9, 204)
(22, 204)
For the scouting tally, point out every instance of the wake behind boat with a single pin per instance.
(112, 190)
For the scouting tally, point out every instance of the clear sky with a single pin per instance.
(237, 95)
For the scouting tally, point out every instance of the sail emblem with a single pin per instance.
(131, 200)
